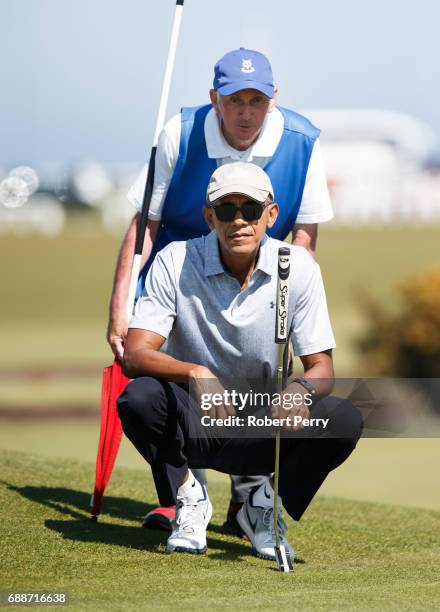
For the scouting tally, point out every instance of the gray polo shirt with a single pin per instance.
(207, 319)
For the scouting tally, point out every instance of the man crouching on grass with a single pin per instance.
(212, 300)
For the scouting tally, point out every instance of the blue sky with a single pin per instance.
(83, 78)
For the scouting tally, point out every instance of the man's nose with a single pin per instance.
(246, 111)
(239, 219)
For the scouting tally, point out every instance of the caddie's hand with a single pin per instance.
(292, 405)
(116, 335)
(207, 390)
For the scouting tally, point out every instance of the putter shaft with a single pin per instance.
(277, 450)
(281, 339)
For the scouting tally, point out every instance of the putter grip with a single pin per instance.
(281, 319)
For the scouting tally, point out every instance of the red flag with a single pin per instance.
(113, 384)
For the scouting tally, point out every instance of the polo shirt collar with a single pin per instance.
(265, 145)
(213, 263)
(265, 261)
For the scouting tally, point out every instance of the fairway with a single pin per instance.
(55, 298)
(350, 555)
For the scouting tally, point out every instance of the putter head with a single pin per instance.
(284, 560)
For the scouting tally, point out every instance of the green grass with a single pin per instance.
(351, 555)
(55, 342)
(46, 393)
(68, 278)
(354, 554)
(395, 471)
(373, 259)
(370, 260)
(63, 279)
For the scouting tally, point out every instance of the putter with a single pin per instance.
(284, 561)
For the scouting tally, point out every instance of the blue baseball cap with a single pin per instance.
(243, 69)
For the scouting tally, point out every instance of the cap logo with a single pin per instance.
(247, 67)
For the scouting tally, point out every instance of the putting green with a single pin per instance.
(350, 555)
(394, 471)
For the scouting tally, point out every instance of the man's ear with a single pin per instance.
(273, 100)
(208, 215)
(213, 95)
(272, 214)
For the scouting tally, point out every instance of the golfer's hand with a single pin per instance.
(117, 334)
(204, 383)
(297, 409)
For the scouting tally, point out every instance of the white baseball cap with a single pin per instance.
(242, 178)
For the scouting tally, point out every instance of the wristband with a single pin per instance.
(310, 387)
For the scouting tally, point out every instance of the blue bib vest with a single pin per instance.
(182, 217)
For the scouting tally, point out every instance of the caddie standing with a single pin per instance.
(242, 123)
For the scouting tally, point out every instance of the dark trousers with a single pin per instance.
(163, 424)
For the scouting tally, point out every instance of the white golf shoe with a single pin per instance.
(256, 519)
(189, 528)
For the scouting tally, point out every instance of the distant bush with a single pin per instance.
(405, 343)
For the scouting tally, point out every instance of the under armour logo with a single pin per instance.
(272, 305)
(247, 67)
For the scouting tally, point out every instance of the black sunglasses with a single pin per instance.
(250, 209)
